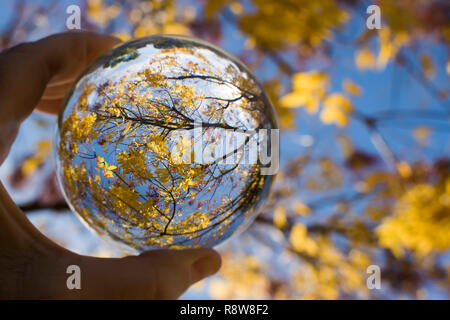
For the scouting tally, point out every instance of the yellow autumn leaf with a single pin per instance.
(122, 35)
(404, 169)
(100, 161)
(351, 87)
(359, 258)
(236, 8)
(30, 166)
(41, 154)
(418, 222)
(108, 174)
(309, 88)
(101, 13)
(301, 242)
(310, 81)
(384, 55)
(421, 134)
(346, 145)
(427, 65)
(296, 99)
(301, 208)
(175, 28)
(279, 217)
(143, 30)
(364, 59)
(127, 127)
(293, 99)
(390, 44)
(336, 109)
(44, 147)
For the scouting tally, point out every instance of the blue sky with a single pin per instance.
(390, 89)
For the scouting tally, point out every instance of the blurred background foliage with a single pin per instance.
(365, 140)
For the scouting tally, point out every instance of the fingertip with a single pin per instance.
(201, 262)
(46, 68)
(206, 265)
(105, 40)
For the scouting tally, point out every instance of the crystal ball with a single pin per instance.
(160, 143)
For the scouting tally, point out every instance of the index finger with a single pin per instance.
(27, 69)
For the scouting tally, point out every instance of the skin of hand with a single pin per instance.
(31, 265)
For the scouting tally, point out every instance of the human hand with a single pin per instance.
(32, 266)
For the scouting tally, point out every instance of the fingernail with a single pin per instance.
(205, 266)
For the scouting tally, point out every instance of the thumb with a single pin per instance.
(159, 274)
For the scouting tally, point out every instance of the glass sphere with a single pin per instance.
(158, 144)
